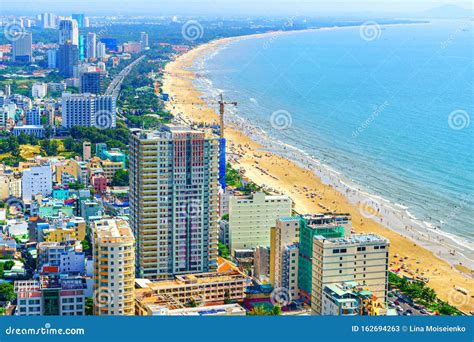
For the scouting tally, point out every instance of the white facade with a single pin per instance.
(37, 180)
(359, 258)
(39, 90)
(36, 130)
(32, 302)
(67, 256)
(251, 217)
(88, 110)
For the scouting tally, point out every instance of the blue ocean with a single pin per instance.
(389, 110)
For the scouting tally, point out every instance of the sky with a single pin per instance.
(223, 7)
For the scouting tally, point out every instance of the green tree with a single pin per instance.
(7, 292)
(258, 310)
(223, 250)
(276, 310)
(89, 306)
(121, 178)
(86, 246)
(7, 265)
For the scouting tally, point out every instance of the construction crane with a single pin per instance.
(221, 104)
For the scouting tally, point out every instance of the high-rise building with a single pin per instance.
(92, 82)
(328, 226)
(144, 41)
(68, 59)
(82, 47)
(174, 200)
(91, 43)
(252, 216)
(88, 110)
(22, 50)
(79, 17)
(101, 50)
(358, 258)
(48, 20)
(52, 59)
(284, 255)
(114, 267)
(68, 32)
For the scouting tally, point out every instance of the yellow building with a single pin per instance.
(114, 267)
(109, 168)
(75, 229)
(70, 167)
(10, 185)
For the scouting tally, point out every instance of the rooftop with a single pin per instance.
(354, 239)
(113, 229)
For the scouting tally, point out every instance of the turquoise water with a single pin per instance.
(392, 114)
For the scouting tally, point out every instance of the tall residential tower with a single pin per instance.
(174, 201)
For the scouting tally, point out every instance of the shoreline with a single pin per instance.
(265, 165)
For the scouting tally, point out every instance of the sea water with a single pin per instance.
(390, 110)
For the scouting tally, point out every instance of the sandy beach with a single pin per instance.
(418, 253)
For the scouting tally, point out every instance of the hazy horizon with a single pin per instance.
(229, 7)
